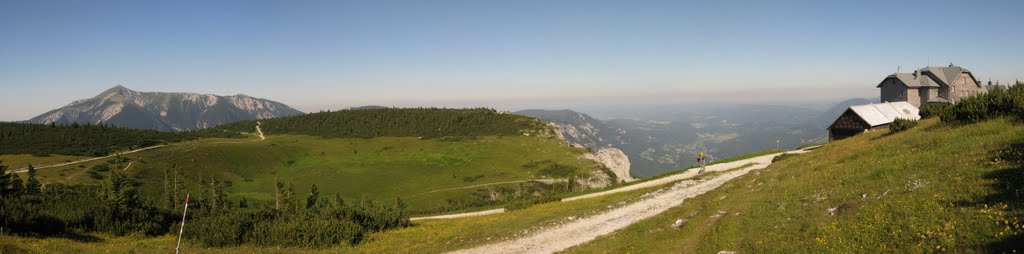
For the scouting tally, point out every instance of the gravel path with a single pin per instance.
(460, 215)
(764, 159)
(260, 131)
(582, 230)
(25, 169)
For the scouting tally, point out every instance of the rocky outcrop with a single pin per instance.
(580, 130)
(123, 107)
(613, 159)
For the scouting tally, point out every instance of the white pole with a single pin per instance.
(182, 230)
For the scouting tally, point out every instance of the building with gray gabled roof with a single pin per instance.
(930, 84)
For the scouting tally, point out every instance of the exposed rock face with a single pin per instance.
(120, 106)
(615, 160)
(580, 130)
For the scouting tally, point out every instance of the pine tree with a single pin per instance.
(400, 205)
(5, 181)
(338, 201)
(16, 187)
(121, 195)
(203, 189)
(214, 202)
(32, 186)
(177, 187)
(314, 194)
(277, 193)
(289, 198)
(218, 196)
(168, 198)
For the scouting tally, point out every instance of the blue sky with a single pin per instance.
(507, 54)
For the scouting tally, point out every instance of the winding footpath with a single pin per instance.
(582, 230)
(25, 169)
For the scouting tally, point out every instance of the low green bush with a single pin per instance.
(935, 109)
(995, 103)
(901, 124)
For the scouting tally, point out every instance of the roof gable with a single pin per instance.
(945, 75)
(909, 80)
(930, 76)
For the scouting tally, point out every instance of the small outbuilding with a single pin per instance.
(861, 118)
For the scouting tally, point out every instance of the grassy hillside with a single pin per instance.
(930, 188)
(379, 168)
(432, 175)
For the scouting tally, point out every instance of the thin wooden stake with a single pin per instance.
(182, 230)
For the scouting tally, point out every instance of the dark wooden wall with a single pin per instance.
(848, 124)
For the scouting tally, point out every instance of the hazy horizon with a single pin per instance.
(326, 55)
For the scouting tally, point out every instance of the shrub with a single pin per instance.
(995, 103)
(935, 109)
(901, 124)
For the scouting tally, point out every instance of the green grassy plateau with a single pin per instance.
(380, 168)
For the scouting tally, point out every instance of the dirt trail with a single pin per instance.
(765, 159)
(260, 131)
(460, 215)
(582, 230)
(25, 169)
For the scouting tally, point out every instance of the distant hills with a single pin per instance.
(123, 107)
(658, 139)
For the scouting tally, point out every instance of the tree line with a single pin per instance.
(28, 208)
(115, 207)
(89, 139)
(397, 122)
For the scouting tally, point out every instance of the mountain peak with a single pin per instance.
(120, 106)
(118, 89)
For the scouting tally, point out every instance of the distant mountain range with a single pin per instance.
(123, 107)
(658, 139)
